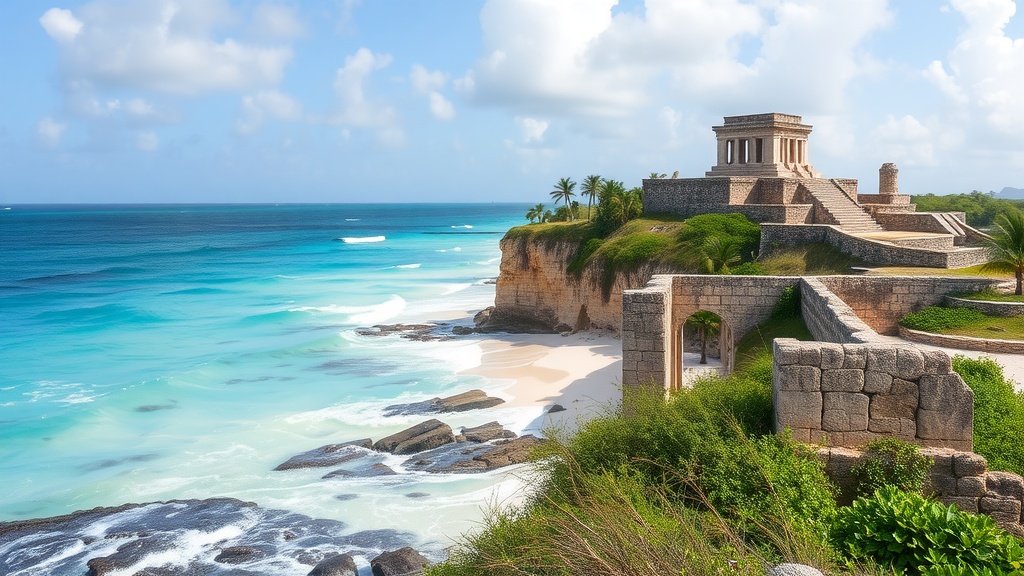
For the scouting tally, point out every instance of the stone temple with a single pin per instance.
(763, 171)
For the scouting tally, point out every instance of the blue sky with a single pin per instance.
(473, 100)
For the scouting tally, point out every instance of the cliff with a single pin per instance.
(535, 288)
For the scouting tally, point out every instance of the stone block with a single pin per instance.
(844, 412)
(969, 464)
(909, 363)
(943, 484)
(786, 351)
(798, 409)
(936, 362)
(942, 459)
(801, 434)
(842, 380)
(965, 503)
(877, 382)
(970, 486)
(900, 402)
(1004, 484)
(1000, 509)
(881, 359)
(831, 356)
(854, 355)
(810, 355)
(797, 378)
(819, 437)
(944, 425)
(944, 392)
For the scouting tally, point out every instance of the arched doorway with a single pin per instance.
(704, 347)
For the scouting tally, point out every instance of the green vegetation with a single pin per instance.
(973, 271)
(990, 295)
(998, 413)
(961, 321)
(1006, 248)
(915, 535)
(981, 209)
(808, 260)
(707, 324)
(564, 191)
(891, 462)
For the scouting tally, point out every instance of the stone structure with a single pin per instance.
(957, 477)
(763, 172)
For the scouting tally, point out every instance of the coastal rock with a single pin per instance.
(127, 555)
(463, 330)
(337, 565)
(470, 457)
(370, 472)
(238, 554)
(489, 320)
(556, 408)
(419, 438)
(794, 570)
(471, 400)
(487, 432)
(418, 332)
(512, 452)
(401, 562)
(329, 455)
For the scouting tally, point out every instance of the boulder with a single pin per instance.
(398, 563)
(471, 400)
(337, 565)
(423, 436)
(486, 432)
(329, 455)
(556, 408)
(238, 554)
(794, 570)
(512, 452)
(370, 472)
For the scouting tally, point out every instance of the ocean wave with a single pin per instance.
(453, 288)
(352, 219)
(361, 314)
(361, 239)
(467, 226)
(408, 266)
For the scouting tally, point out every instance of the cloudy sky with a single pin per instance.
(471, 100)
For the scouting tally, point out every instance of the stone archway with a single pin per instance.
(716, 344)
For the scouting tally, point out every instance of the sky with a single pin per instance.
(479, 101)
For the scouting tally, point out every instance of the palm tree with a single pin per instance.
(1006, 248)
(591, 188)
(655, 176)
(535, 213)
(707, 324)
(719, 253)
(564, 191)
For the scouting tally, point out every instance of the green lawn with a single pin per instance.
(993, 327)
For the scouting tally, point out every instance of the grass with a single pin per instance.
(990, 296)
(973, 271)
(965, 322)
(811, 259)
(998, 413)
(992, 327)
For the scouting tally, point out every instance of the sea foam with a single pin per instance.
(362, 239)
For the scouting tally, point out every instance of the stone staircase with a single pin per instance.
(846, 213)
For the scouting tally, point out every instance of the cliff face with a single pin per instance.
(535, 288)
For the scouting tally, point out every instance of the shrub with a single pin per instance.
(749, 269)
(938, 318)
(698, 229)
(891, 462)
(912, 534)
(998, 413)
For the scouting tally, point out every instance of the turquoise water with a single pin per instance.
(157, 352)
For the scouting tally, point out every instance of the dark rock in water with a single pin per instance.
(376, 539)
(345, 497)
(418, 332)
(398, 563)
(370, 472)
(417, 495)
(423, 436)
(471, 400)
(487, 432)
(155, 407)
(329, 455)
(490, 320)
(338, 565)
(469, 457)
(463, 330)
(238, 554)
(512, 452)
(128, 555)
(556, 408)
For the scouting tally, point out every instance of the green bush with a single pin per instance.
(939, 318)
(998, 413)
(912, 534)
(749, 269)
(891, 462)
(698, 229)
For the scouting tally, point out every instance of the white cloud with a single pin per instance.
(440, 107)
(986, 66)
(531, 129)
(256, 108)
(276, 22)
(424, 81)
(61, 25)
(139, 108)
(907, 141)
(349, 86)
(147, 141)
(162, 45)
(50, 131)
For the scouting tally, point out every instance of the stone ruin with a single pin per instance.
(763, 171)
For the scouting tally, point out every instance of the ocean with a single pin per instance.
(160, 352)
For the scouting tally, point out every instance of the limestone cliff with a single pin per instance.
(535, 288)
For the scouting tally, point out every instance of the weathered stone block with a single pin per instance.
(877, 382)
(831, 356)
(854, 355)
(1004, 484)
(900, 402)
(844, 412)
(965, 503)
(944, 485)
(943, 425)
(937, 362)
(842, 380)
(881, 359)
(942, 459)
(944, 392)
(810, 355)
(1000, 509)
(970, 486)
(819, 437)
(909, 363)
(798, 409)
(801, 434)
(969, 464)
(786, 351)
(797, 378)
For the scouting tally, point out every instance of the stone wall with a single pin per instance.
(964, 342)
(828, 318)
(960, 478)
(646, 323)
(987, 307)
(687, 196)
(850, 394)
(911, 222)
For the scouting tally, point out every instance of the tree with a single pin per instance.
(655, 176)
(564, 191)
(1006, 248)
(719, 252)
(707, 324)
(535, 213)
(591, 188)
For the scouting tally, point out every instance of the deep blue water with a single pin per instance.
(156, 352)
